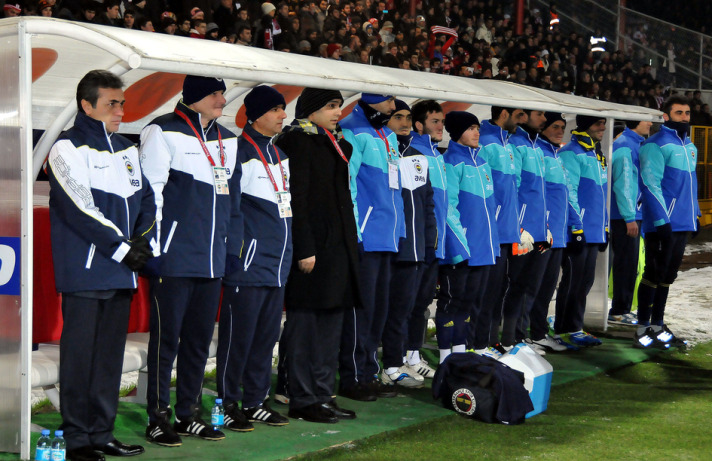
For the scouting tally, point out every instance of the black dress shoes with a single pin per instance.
(359, 392)
(116, 448)
(339, 412)
(84, 454)
(314, 413)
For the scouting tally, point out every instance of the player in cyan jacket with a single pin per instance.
(409, 263)
(499, 156)
(428, 119)
(586, 168)
(378, 208)
(626, 216)
(670, 212)
(525, 272)
(471, 244)
(191, 162)
(558, 213)
(255, 277)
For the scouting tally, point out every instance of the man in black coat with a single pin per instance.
(323, 281)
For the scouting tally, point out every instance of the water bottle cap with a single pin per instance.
(58, 433)
(218, 401)
(45, 432)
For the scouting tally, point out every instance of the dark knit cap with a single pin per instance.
(401, 105)
(196, 88)
(261, 100)
(457, 122)
(552, 117)
(370, 98)
(584, 122)
(632, 124)
(313, 99)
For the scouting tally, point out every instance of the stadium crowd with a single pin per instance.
(468, 38)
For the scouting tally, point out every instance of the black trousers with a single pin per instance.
(311, 346)
(524, 278)
(538, 326)
(578, 275)
(418, 321)
(363, 328)
(403, 290)
(249, 328)
(183, 311)
(662, 261)
(459, 301)
(92, 355)
(494, 294)
(625, 251)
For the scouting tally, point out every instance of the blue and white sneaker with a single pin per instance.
(569, 346)
(581, 339)
(403, 377)
(490, 352)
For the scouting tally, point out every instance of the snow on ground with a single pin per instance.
(705, 247)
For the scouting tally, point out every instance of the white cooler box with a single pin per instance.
(537, 374)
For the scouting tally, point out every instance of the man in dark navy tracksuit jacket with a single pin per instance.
(102, 216)
(255, 278)
(421, 233)
(191, 162)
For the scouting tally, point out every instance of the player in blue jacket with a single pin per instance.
(102, 212)
(524, 273)
(472, 241)
(255, 278)
(408, 265)
(378, 209)
(670, 212)
(588, 178)
(498, 154)
(191, 162)
(626, 216)
(428, 119)
(558, 211)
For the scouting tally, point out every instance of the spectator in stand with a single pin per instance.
(88, 11)
(110, 15)
(198, 28)
(45, 8)
(145, 24)
(168, 24)
(12, 9)
(269, 28)
(244, 36)
(211, 31)
(225, 16)
(129, 19)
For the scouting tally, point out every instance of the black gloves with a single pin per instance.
(139, 253)
(577, 241)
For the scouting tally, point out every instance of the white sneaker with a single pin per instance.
(281, 398)
(403, 377)
(422, 368)
(541, 350)
(490, 352)
(547, 344)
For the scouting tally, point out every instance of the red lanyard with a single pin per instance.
(336, 145)
(264, 162)
(202, 144)
(382, 134)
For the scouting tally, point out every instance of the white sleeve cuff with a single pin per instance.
(119, 254)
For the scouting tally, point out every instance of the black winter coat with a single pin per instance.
(323, 223)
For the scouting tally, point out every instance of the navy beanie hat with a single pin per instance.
(313, 99)
(401, 105)
(584, 122)
(261, 100)
(456, 122)
(370, 98)
(196, 88)
(552, 117)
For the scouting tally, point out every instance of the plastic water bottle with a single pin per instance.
(59, 446)
(44, 446)
(217, 418)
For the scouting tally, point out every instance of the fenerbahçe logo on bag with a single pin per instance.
(463, 401)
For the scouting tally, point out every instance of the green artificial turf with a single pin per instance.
(589, 412)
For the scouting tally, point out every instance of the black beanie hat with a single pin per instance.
(584, 122)
(456, 122)
(261, 100)
(196, 88)
(552, 117)
(401, 105)
(632, 124)
(313, 99)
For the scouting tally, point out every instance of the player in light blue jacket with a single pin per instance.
(670, 212)
(626, 216)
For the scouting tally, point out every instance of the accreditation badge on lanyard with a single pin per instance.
(393, 182)
(219, 172)
(284, 198)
